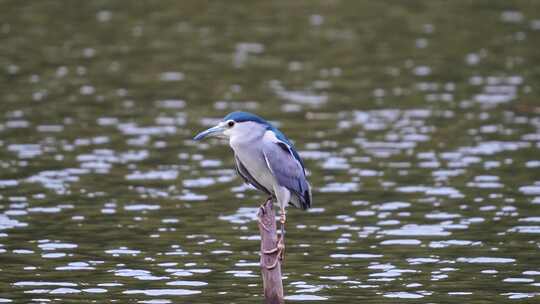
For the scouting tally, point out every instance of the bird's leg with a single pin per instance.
(281, 240)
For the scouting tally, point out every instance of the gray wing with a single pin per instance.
(244, 173)
(287, 170)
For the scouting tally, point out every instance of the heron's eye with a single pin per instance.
(230, 123)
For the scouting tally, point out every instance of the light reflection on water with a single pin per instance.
(423, 151)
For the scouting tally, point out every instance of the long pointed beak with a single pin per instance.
(214, 131)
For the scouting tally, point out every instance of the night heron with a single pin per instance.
(266, 159)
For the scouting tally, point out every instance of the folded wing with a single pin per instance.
(287, 169)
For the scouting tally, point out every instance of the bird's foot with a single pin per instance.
(279, 250)
(263, 225)
(281, 240)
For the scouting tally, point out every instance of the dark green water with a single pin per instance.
(419, 122)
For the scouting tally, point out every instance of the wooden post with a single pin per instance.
(270, 260)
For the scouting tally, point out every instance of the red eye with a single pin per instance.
(230, 123)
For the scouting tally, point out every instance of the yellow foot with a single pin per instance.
(281, 248)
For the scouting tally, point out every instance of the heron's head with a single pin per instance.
(235, 124)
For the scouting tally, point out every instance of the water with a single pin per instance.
(419, 123)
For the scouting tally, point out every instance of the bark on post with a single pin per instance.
(270, 261)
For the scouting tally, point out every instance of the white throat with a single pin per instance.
(245, 133)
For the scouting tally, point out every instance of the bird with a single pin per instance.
(266, 159)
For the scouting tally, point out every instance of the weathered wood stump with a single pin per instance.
(270, 255)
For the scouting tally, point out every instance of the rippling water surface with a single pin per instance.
(419, 123)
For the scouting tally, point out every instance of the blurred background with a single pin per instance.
(419, 122)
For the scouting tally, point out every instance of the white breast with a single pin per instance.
(250, 154)
(256, 166)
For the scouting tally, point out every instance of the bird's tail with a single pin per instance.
(302, 200)
(307, 198)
